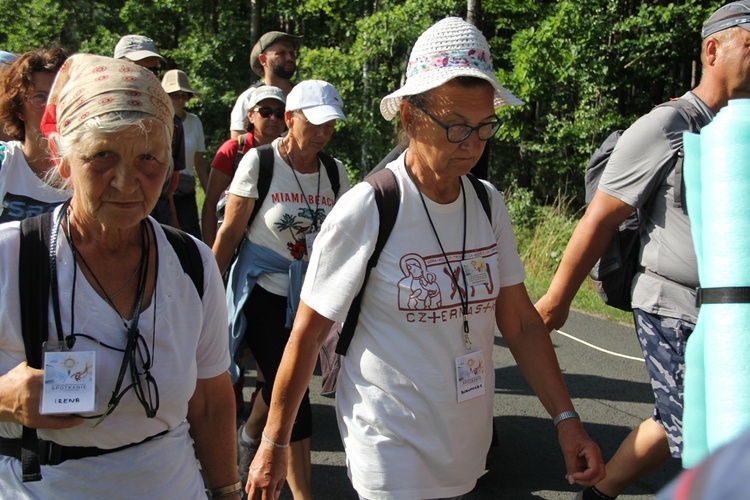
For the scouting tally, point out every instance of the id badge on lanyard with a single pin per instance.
(69, 378)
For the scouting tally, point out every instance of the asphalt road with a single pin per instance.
(607, 380)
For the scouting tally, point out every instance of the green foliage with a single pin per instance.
(26, 23)
(542, 233)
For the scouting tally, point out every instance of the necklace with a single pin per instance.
(122, 289)
(143, 262)
(314, 216)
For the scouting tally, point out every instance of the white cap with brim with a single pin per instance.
(449, 49)
(319, 101)
(265, 92)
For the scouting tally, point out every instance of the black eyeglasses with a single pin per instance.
(459, 132)
(138, 358)
(37, 100)
(155, 70)
(266, 111)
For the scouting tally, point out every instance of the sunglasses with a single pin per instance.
(266, 112)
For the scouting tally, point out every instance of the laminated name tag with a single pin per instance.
(475, 271)
(470, 375)
(309, 240)
(68, 380)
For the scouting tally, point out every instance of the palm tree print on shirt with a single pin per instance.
(298, 226)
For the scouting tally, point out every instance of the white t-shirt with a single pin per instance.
(190, 343)
(286, 215)
(23, 194)
(195, 141)
(404, 432)
(239, 111)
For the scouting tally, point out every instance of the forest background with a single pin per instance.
(583, 67)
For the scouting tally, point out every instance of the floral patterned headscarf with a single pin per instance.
(88, 86)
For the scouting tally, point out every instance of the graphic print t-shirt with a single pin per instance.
(288, 214)
(23, 194)
(397, 393)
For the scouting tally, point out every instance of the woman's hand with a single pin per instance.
(267, 473)
(20, 395)
(583, 459)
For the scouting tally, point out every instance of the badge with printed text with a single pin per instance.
(69, 378)
(475, 271)
(309, 240)
(470, 375)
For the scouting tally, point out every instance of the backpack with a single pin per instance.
(387, 198)
(265, 174)
(613, 273)
(34, 292)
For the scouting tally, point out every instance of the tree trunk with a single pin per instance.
(472, 11)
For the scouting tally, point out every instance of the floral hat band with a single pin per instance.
(450, 48)
(458, 58)
(89, 85)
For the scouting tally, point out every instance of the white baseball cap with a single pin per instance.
(319, 101)
(265, 92)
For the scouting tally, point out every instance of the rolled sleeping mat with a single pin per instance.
(695, 444)
(724, 226)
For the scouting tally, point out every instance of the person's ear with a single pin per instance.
(64, 170)
(712, 49)
(407, 117)
(262, 59)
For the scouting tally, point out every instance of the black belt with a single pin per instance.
(51, 453)
(723, 295)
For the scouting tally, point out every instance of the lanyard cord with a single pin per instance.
(313, 215)
(464, 298)
(132, 330)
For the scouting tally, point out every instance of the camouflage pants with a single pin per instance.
(663, 343)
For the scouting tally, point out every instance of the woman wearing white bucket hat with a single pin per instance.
(415, 393)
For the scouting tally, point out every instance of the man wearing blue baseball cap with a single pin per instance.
(641, 175)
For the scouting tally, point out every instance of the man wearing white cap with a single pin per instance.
(274, 59)
(141, 50)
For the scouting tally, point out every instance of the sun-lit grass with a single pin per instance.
(542, 233)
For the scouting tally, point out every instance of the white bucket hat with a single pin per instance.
(319, 101)
(448, 49)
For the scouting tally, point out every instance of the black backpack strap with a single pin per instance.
(240, 153)
(387, 199)
(265, 174)
(484, 198)
(332, 169)
(189, 255)
(695, 122)
(33, 290)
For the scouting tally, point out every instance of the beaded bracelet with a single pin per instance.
(275, 445)
(225, 491)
